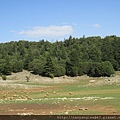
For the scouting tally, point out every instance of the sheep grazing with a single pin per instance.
(70, 93)
(22, 96)
(15, 95)
(4, 96)
(42, 90)
(29, 98)
(83, 108)
(54, 92)
(15, 91)
(47, 94)
(10, 98)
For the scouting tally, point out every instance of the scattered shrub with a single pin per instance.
(51, 75)
(4, 77)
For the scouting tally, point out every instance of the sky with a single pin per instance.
(52, 20)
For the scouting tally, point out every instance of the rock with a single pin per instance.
(66, 113)
(92, 81)
(51, 112)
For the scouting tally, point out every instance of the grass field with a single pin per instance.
(60, 96)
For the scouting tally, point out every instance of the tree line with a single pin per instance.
(94, 56)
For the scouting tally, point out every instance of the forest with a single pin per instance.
(94, 56)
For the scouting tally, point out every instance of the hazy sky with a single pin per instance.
(58, 19)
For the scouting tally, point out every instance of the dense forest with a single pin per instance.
(94, 56)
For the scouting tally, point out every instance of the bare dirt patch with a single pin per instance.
(43, 109)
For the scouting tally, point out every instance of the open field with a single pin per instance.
(59, 96)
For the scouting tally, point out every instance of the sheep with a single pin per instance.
(4, 96)
(10, 98)
(42, 90)
(29, 98)
(70, 93)
(22, 96)
(15, 95)
(47, 94)
(83, 108)
(15, 91)
(54, 92)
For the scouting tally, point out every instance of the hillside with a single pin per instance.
(94, 56)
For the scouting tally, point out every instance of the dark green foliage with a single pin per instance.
(68, 68)
(51, 75)
(83, 68)
(74, 71)
(4, 77)
(72, 64)
(59, 71)
(107, 68)
(2, 65)
(17, 65)
(7, 67)
(97, 69)
(28, 58)
(94, 54)
(72, 57)
(48, 67)
(37, 66)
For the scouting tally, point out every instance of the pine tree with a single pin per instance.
(49, 67)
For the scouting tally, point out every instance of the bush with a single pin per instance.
(4, 77)
(107, 68)
(51, 75)
(97, 69)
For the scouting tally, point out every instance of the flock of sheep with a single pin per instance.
(25, 95)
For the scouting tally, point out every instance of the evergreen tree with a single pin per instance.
(49, 67)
